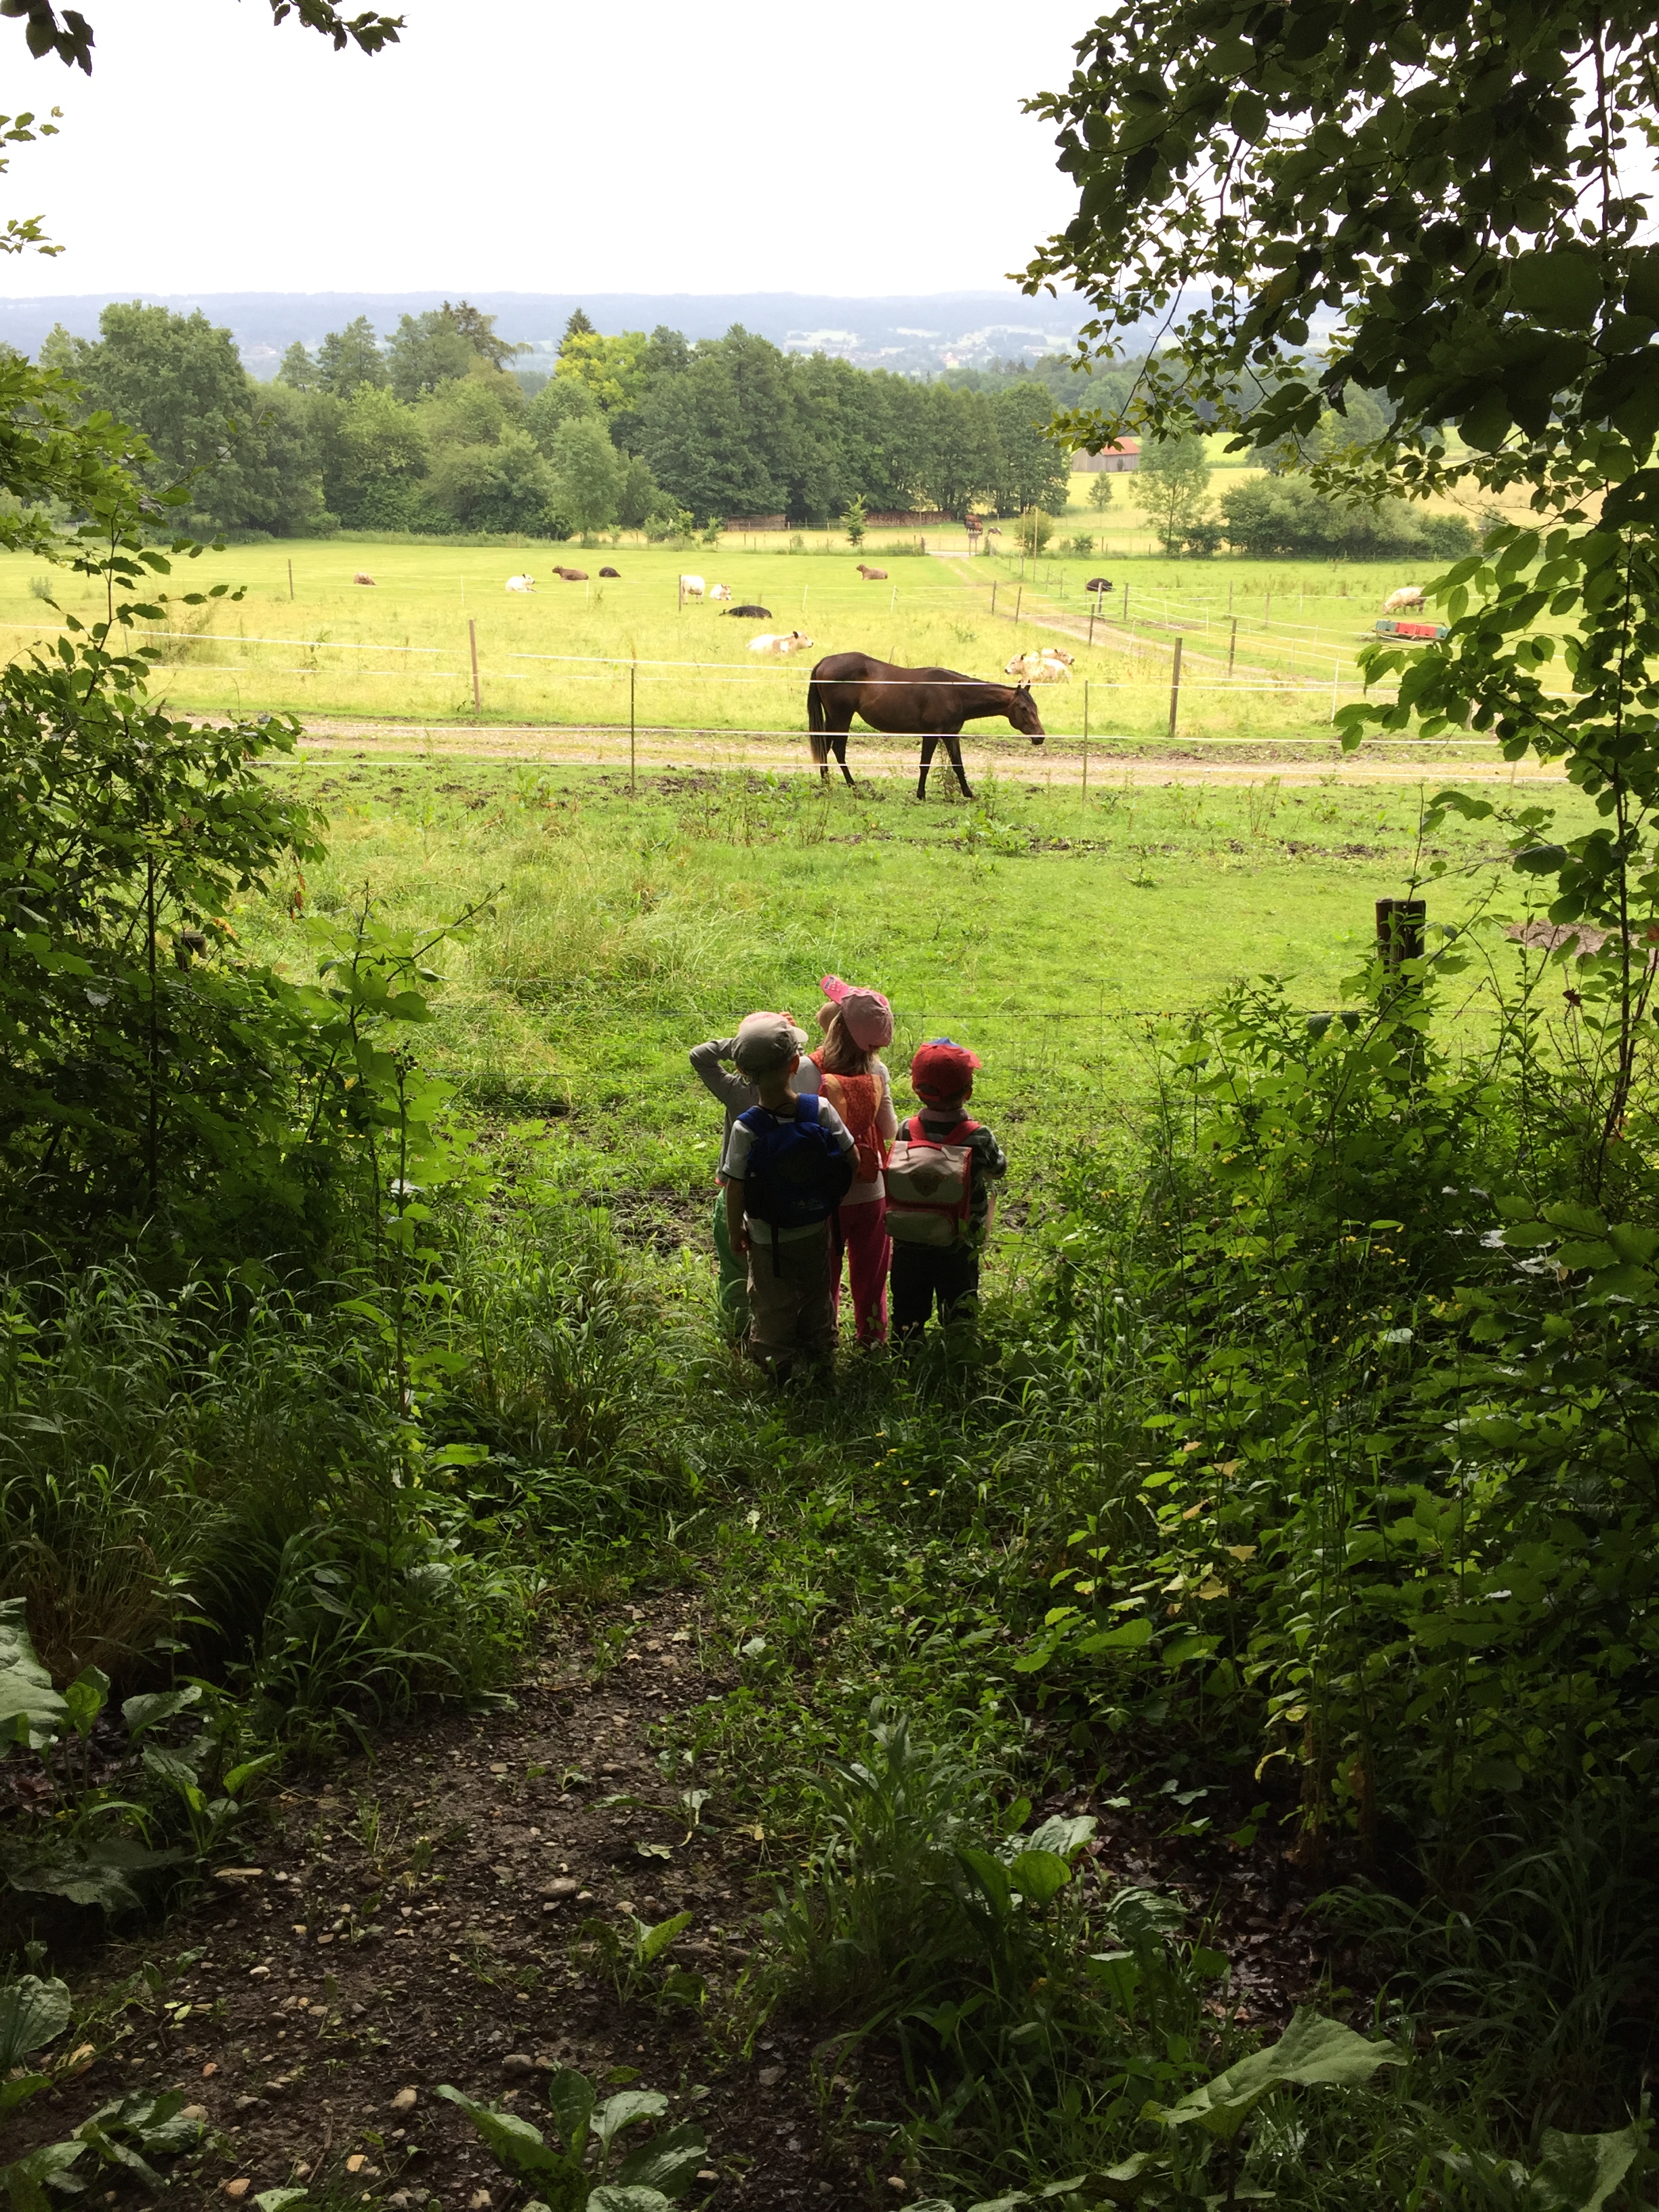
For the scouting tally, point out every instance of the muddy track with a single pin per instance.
(449, 1910)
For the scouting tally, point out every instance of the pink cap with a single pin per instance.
(868, 1017)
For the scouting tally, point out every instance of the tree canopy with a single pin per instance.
(67, 34)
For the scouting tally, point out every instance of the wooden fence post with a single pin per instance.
(290, 579)
(1174, 685)
(473, 639)
(1232, 642)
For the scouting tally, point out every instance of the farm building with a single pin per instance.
(1117, 460)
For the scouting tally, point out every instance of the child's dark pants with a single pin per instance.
(922, 1273)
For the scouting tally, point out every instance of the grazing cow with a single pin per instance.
(1408, 595)
(521, 583)
(1098, 584)
(750, 613)
(572, 575)
(692, 588)
(616, 573)
(1049, 666)
(781, 643)
(721, 592)
(872, 575)
(360, 578)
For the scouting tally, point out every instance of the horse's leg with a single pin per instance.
(953, 746)
(928, 744)
(840, 755)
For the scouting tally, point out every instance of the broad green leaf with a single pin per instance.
(1141, 1919)
(240, 1775)
(1182, 1648)
(519, 2147)
(570, 2102)
(1118, 1973)
(86, 1698)
(627, 2196)
(991, 1875)
(31, 2012)
(25, 2179)
(668, 2162)
(1039, 1875)
(142, 1713)
(277, 2200)
(624, 2109)
(1578, 2173)
(1129, 1637)
(1312, 2051)
(17, 2089)
(1562, 287)
(26, 1690)
(1064, 1833)
(653, 1942)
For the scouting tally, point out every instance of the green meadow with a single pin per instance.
(305, 637)
(1061, 939)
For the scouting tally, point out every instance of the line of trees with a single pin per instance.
(434, 430)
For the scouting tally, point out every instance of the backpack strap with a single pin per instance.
(807, 1098)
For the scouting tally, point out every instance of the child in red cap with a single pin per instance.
(936, 1244)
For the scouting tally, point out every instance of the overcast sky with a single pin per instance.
(547, 145)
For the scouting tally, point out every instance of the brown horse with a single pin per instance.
(927, 703)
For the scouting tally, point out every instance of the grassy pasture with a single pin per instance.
(558, 658)
(1058, 938)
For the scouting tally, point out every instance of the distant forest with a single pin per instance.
(433, 429)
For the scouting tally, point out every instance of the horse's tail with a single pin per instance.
(816, 723)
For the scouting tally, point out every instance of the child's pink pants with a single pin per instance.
(869, 1254)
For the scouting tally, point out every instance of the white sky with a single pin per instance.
(547, 145)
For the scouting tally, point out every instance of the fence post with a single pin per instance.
(290, 579)
(1086, 741)
(1399, 925)
(1174, 685)
(1020, 593)
(993, 595)
(473, 639)
(1232, 642)
(633, 671)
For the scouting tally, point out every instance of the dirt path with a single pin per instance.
(442, 1915)
(457, 1909)
(1058, 765)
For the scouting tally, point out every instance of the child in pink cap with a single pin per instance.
(847, 1068)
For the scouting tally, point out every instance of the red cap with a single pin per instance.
(942, 1070)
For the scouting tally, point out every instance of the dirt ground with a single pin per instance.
(441, 1912)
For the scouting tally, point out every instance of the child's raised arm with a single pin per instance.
(731, 1088)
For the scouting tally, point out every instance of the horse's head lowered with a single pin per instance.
(1022, 713)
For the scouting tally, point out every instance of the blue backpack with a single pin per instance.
(796, 1173)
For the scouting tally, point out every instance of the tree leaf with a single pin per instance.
(1562, 287)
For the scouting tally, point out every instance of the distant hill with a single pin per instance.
(919, 333)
